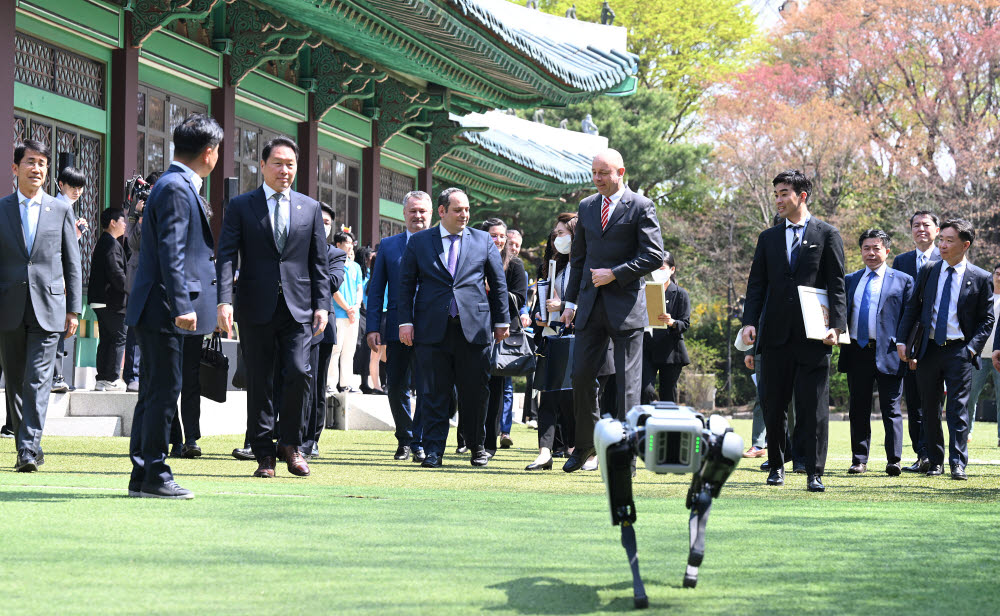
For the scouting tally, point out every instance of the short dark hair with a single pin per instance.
(279, 141)
(329, 210)
(996, 267)
(489, 223)
(153, 176)
(796, 179)
(966, 232)
(877, 234)
(72, 177)
(937, 223)
(35, 146)
(444, 199)
(111, 214)
(197, 132)
(343, 236)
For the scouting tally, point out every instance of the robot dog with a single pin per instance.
(668, 439)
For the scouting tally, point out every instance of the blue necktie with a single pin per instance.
(941, 328)
(866, 304)
(452, 266)
(29, 233)
(793, 255)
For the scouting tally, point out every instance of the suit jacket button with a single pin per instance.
(30, 263)
(213, 281)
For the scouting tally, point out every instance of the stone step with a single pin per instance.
(83, 426)
(229, 417)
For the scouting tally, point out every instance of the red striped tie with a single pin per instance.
(605, 211)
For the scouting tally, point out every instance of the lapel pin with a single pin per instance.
(298, 207)
(48, 209)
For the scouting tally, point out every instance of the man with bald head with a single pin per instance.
(617, 242)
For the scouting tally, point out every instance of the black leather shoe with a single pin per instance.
(243, 453)
(479, 458)
(766, 466)
(176, 451)
(857, 469)
(922, 465)
(776, 477)
(418, 454)
(431, 461)
(892, 469)
(26, 462)
(798, 468)
(134, 490)
(462, 449)
(958, 472)
(544, 466)
(934, 470)
(191, 451)
(576, 461)
(815, 484)
(402, 452)
(169, 489)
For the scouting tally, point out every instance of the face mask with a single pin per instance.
(328, 229)
(562, 244)
(661, 276)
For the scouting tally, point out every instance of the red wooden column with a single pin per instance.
(124, 115)
(308, 174)
(8, 12)
(223, 101)
(425, 175)
(371, 173)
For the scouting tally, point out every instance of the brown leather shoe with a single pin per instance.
(857, 469)
(265, 468)
(293, 458)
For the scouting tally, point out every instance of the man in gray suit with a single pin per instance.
(40, 289)
(617, 242)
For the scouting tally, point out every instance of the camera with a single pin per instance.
(668, 439)
(136, 190)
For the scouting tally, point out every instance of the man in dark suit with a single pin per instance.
(954, 304)
(106, 294)
(40, 295)
(172, 299)
(805, 251)
(321, 347)
(617, 242)
(446, 314)
(876, 297)
(924, 227)
(383, 288)
(283, 299)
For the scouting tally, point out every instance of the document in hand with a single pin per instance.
(656, 304)
(816, 314)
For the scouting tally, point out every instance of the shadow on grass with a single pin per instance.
(550, 595)
(38, 496)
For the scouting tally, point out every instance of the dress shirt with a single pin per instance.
(875, 290)
(954, 328)
(30, 213)
(615, 198)
(924, 257)
(285, 205)
(62, 197)
(788, 236)
(988, 348)
(196, 179)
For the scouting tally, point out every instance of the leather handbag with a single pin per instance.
(513, 356)
(555, 363)
(213, 373)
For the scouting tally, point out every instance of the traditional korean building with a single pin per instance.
(383, 96)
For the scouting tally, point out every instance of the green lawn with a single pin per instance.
(368, 535)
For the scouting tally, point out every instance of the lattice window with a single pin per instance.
(20, 128)
(249, 139)
(338, 184)
(393, 186)
(47, 67)
(158, 114)
(389, 226)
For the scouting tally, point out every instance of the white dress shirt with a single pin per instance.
(988, 348)
(615, 198)
(875, 289)
(285, 205)
(924, 257)
(30, 212)
(954, 328)
(789, 235)
(196, 179)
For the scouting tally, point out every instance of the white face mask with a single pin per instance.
(328, 229)
(562, 244)
(661, 276)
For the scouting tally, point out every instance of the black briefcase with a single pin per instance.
(555, 363)
(213, 373)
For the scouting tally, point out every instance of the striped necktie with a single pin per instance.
(793, 254)
(605, 212)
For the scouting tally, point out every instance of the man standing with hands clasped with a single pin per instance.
(40, 295)
(283, 299)
(445, 313)
(804, 251)
(617, 242)
(954, 303)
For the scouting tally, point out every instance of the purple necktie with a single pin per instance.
(452, 264)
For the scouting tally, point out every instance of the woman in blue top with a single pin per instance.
(347, 310)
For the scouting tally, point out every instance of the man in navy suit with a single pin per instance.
(383, 287)
(283, 299)
(876, 297)
(40, 295)
(954, 303)
(173, 297)
(805, 251)
(446, 313)
(924, 227)
(617, 242)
